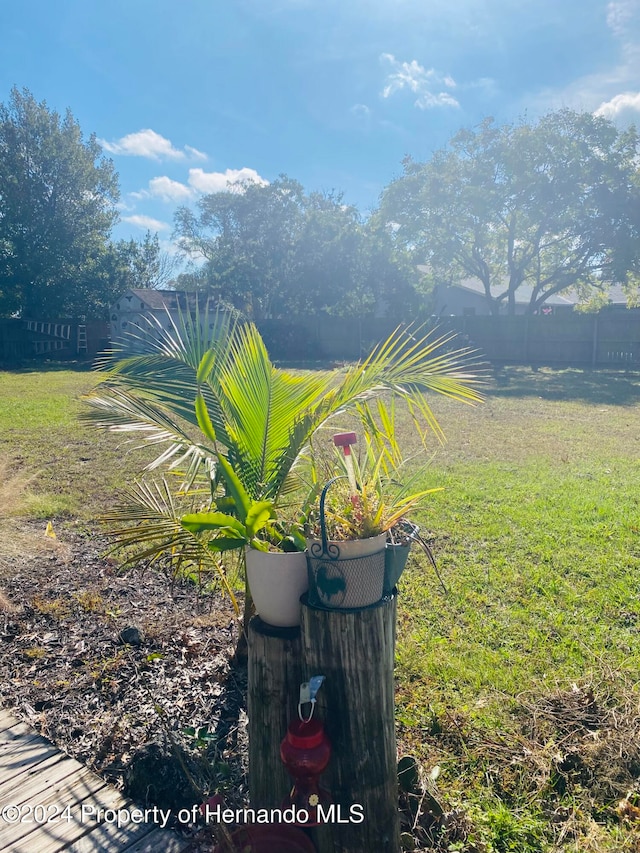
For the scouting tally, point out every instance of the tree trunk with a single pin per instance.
(355, 650)
(274, 678)
(241, 652)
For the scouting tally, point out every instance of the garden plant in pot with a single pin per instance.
(206, 390)
(359, 522)
(273, 550)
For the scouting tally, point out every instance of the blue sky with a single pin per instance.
(186, 95)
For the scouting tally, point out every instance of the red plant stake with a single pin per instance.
(345, 440)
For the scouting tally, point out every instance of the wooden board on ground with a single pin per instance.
(50, 803)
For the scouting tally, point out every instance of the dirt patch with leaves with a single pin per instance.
(129, 674)
(133, 676)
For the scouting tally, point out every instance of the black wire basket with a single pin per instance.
(344, 575)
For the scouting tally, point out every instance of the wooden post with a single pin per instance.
(354, 650)
(274, 678)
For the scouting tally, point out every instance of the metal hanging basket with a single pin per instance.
(396, 552)
(344, 575)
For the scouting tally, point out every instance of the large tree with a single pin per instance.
(346, 266)
(553, 204)
(57, 208)
(275, 251)
(133, 263)
(246, 237)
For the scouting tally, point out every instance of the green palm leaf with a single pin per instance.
(148, 524)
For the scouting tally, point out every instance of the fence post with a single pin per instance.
(354, 650)
(274, 676)
(594, 350)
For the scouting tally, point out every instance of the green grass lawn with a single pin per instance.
(520, 682)
(536, 537)
(50, 464)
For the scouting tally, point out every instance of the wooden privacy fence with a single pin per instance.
(596, 340)
(23, 340)
(322, 338)
(611, 337)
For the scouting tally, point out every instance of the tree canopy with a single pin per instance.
(552, 204)
(133, 263)
(57, 208)
(273, 251)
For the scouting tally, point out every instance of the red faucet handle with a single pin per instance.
(345, 440)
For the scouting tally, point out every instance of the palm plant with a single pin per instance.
(219, 411)
(378, 502)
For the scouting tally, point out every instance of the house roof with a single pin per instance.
(524, 292)
(158, 300)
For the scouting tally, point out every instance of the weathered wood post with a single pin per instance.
(355, 651)
(594, 342)
(274, 677)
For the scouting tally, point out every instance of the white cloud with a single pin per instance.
(194, 154)
(620, 13)
(618, 104)
(215, 182)
(442, 99)
(611, 91)
(169, 190)
(619, 97)
(423, 82)
(148, 143)
(148, 223)
(360, 110)
(166, 190)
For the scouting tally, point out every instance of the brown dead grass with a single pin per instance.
(18, 536)
(13, 489)
(22, 539)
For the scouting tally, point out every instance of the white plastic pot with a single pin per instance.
(277, 580)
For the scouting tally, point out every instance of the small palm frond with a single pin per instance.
(410, 367)
(165, 372)
(148, 522)
(185, 339)
(263, 406)
(122, 411)
(380, 433)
